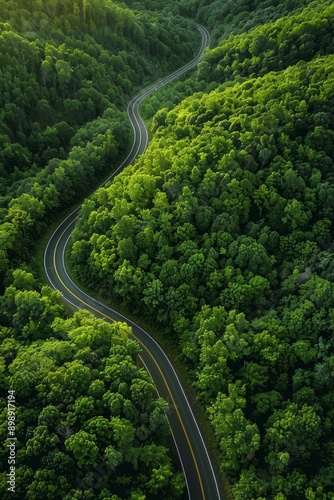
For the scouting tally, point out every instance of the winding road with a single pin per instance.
(194, 457)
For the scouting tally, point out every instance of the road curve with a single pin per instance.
(194, 457)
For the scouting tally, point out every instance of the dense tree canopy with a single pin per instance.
(225, 18)
(88, 422)
(221, 234)
(67, 71)
(87, 418)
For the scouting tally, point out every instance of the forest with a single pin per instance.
(220, 237)
(88, 421)
(67, 72)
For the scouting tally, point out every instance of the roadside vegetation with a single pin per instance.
(88, 422)
(221, 235)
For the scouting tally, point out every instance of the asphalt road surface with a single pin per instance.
(193, 454)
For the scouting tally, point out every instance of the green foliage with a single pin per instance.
(73, 433)
(273, 46)
(224, 18)
(67, 71)
(222, 235)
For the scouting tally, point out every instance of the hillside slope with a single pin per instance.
(86, 419)
(67, 72)
(221, 235)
